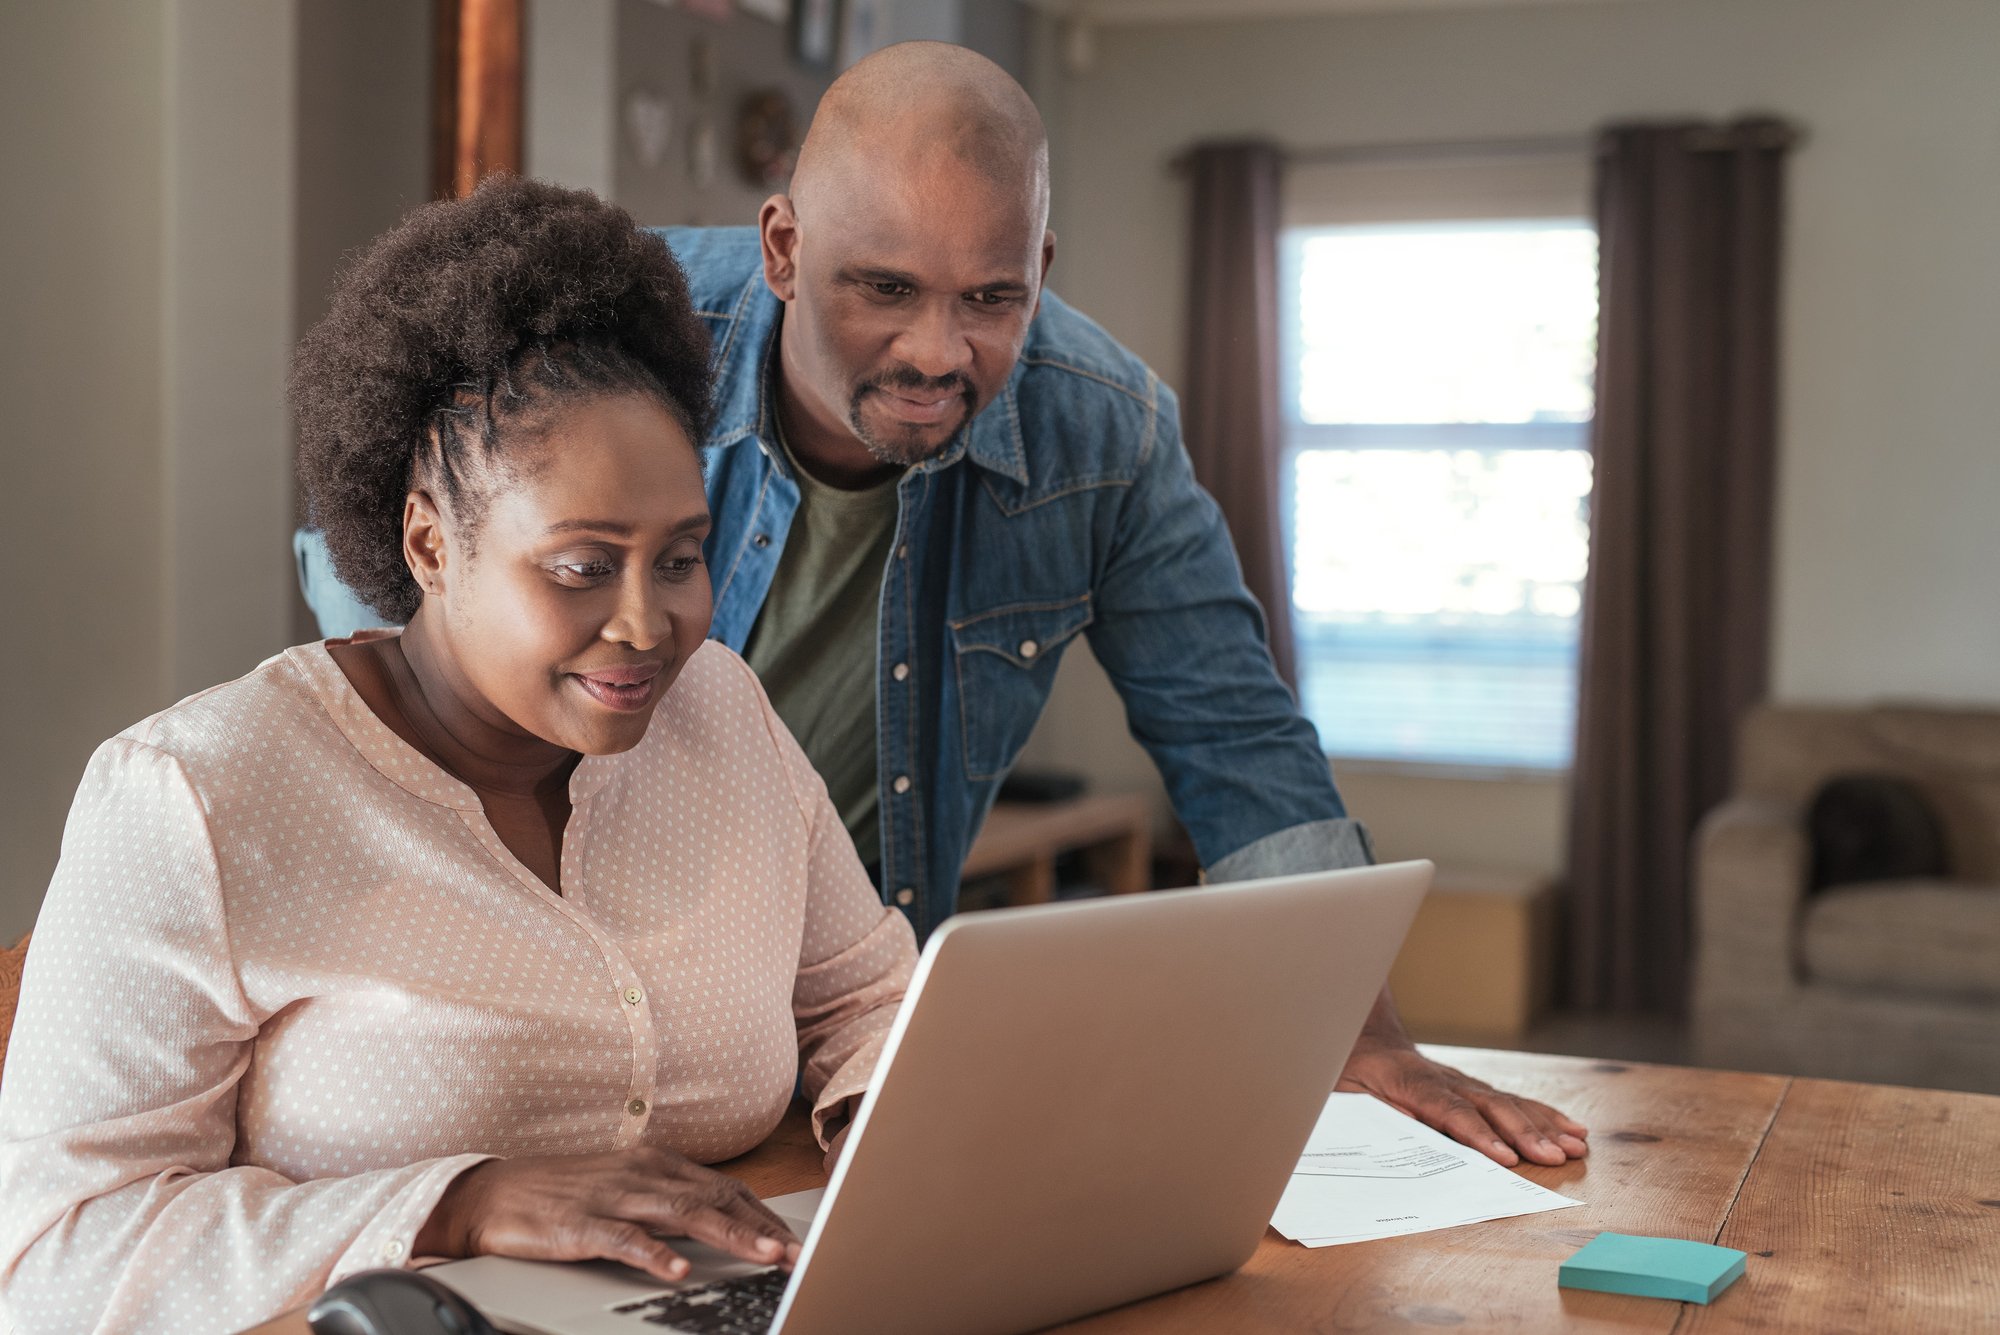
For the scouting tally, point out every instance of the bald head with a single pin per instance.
(910, 254)
(908, 110)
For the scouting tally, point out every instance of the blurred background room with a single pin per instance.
(1601, 393)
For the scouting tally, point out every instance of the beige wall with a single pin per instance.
(82, 93)
(145, 253)
(1887, 545)
(571, 77)
(363, 133)
(230, 126)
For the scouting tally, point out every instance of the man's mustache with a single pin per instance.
(910, 380)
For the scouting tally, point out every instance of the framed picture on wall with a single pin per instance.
(815, 32)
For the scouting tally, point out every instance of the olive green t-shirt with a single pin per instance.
(814, 641)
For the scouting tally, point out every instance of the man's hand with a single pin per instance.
(1504, 1127)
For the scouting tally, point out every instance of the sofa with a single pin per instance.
(1896, 981)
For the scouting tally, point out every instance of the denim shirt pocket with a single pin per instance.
(1006, 663)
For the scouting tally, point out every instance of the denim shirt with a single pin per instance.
(1066, 507)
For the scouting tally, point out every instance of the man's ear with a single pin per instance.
(778, 231)
(423, 542)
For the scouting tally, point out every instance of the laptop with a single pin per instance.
(1079, 1105)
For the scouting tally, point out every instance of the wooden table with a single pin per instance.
(1021, 841)
(1865, 1208)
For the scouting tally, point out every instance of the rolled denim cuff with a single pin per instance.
(1320, 845)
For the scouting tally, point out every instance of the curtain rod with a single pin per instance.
(1423, 150)
(1543, 146)
(1769, 132)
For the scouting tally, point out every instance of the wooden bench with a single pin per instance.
(1022, 840)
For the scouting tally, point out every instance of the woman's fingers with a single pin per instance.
(737, 1201)
(760, 1212)
(568, 1236)
(614, 1207)
(624, 1241)
(716, 1215)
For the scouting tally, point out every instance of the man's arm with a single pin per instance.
(1183, 641)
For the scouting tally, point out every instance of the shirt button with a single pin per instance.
(903, 552)
(637, 1107)
(633, 996)
(902, 783)
(901, 672)
(906, 896)
(761, 540)
(1029, 648)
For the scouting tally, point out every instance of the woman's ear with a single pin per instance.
(423, 542)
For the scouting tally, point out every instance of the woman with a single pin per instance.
(474, 938)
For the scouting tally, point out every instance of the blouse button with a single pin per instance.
(762, 540)
(633, 996)
(637, 1107)
(391, 1251)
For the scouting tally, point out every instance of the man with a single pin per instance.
(928, 476)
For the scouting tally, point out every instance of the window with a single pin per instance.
(1438, 393)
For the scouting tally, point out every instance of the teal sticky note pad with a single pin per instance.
(1692, 1272)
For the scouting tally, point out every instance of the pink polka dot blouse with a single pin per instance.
(287, 983)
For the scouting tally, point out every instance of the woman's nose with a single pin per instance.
(641, 619)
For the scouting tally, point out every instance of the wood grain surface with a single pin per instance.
(1669, 1147)
(1865, 1208)
(1871, 1208)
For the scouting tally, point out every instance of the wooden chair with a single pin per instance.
(11, 962)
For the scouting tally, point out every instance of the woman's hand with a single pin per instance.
(581, 1207)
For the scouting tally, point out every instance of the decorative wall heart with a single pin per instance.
(649, 125)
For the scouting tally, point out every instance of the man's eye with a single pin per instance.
(889, 289)
(994, 298)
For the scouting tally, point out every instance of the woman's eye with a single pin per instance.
(678, 567)
(580, 572)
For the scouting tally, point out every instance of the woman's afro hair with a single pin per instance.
(453, 334)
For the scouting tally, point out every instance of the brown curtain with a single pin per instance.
(1230, 415)
(1676, 609)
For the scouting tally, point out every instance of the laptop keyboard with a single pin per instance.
(743, 1306)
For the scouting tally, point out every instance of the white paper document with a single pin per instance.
(1371, 1172)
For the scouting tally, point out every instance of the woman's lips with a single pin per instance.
(625, 689)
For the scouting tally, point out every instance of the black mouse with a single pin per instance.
(394, 1302)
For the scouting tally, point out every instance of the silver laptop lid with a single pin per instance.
(1085, 1104)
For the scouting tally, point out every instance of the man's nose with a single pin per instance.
(935, 343)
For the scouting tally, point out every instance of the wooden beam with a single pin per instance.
(476, 93)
